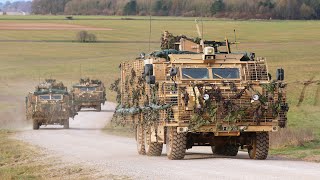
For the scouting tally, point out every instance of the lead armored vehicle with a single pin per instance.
(49, 104)
(200, 93)
(88, 94)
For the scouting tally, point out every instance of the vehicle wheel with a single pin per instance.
(98, 108)
(140, 140)
(35, 124)
(66, 124)
(151, 148)
(260, 146)
(175, 144)
(231, 150)
(217, 150)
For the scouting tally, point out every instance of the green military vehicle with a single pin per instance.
(49, 104)
(199, 93)
(88, 94)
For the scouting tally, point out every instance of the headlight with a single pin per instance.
(206, 97)
(255, 97)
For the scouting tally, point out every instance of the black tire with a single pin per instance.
(226, 150)
(140, 140)
(231, 150)
(217, 150)
(78, 108)
(260, 146)
(151, 148)
(36, 124)
(98, 108)
(66, 124)
(175, 144)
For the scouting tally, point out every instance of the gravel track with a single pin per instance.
(85, 143)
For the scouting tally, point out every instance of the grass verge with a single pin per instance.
(119, 130)
(19, 160)
(16, 159)
(308, 152)
(298, 144)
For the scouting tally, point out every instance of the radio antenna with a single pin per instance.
(202, 26)
(150, 25)
(235, 37)
(39, 75)
(80, 72)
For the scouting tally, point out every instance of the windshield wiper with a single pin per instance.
(218, 76)
(188, 76)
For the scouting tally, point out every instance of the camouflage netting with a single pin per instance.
(168, 40)
(50, 86)
(141, 106)
(88, 81)
(207, 111)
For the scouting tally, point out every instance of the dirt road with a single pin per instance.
(84, 143)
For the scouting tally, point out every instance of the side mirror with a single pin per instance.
(142, 55)
(252, 56)
(280, 74)
(150, 79)
(173, 71)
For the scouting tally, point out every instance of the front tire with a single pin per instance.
(98, 108)
(175, 144)
(66, 124)
(259, 146)
(151, 148)
(78, 108)
(35, 124)
(140, 140)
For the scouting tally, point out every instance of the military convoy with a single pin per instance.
(200, 93)
(50, 104)
(191, 93)
(88, 94)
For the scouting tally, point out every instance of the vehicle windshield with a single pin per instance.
(225, 73)
(87, 89)
(55, 97)
(195, 73)
(44, 97)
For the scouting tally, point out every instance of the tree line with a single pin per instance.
(17, 6)
(236, 9)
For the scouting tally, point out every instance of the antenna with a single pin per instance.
(202, 36)
(150, 24)
(80, 72)
(198, 29)
(235, 38)
(39, 75)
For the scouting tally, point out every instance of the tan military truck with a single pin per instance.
(201, 94)
(89, 94)
(49, 104)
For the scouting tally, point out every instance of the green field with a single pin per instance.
(292, 45)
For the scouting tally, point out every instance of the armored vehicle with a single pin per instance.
(49, 104)
(199, 93)
(89, 94)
